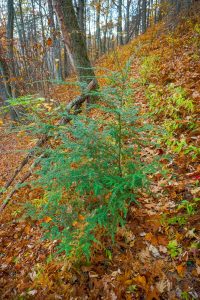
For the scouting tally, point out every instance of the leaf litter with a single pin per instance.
(140, 265)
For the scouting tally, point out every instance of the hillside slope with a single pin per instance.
(156, 256)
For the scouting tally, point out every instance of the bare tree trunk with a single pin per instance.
(22, 37)
(81, 14)
(128, 20)
(10, 56)
(74, 40)
(138, 19)
(105, 30)
(34, 23)
(144, 15)
(9, 36)
(55, 49)
(110, 35)
(5, 74)
(98, 29)
(119, 23)
(67, 68)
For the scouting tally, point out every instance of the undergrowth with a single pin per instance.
(93, 172)
(170, 107)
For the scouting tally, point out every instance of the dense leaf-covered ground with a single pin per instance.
(156, 256)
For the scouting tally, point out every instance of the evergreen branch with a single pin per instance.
(74, 103)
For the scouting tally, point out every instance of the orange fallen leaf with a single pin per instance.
(107, 197)
(151, 238)
(81, 217)
(152, 295)
(9, 259)
(17, 266)
(47, 219)
(74, 165)
(173, 195)
(27, 229)
(181, 270)
(162, 240)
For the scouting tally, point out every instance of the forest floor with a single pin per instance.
(156, 255)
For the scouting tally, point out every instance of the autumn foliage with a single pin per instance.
(156, 254)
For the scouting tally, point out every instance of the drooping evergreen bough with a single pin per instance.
(93, 174)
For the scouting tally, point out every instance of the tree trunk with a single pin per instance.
(7, 91)
(128, 20)
(119, 23)
(105, 30)
(67, 68)
(22, 37)
(144, 16)
(98, 29)
(81, 15)
(74, 40)
(10, 71)
(138, 19)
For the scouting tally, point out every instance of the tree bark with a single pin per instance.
(119, 23)
(74, 41)
(9, 70)
(98, 29)
(128, 4)
(144, 16)
(81, 14)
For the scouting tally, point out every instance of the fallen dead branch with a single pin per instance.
(15, 189)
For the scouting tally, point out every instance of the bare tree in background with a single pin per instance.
(8, 69)
(74, 40)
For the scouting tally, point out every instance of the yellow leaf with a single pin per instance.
(128, 282)
(47, 106)
(1, 122)
(21, 133)
(140, 280)
(75, 224)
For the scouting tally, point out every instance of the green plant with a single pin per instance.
(197, 29)
(189, 207)
(132, 288)
(195, 245)
(25, 104)
(185, 296)
(197, 199)
(149, 67)
(172, 105)
(93, 174)
(173, 249)
(108, 254)
(180, 220)
(16, 212)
